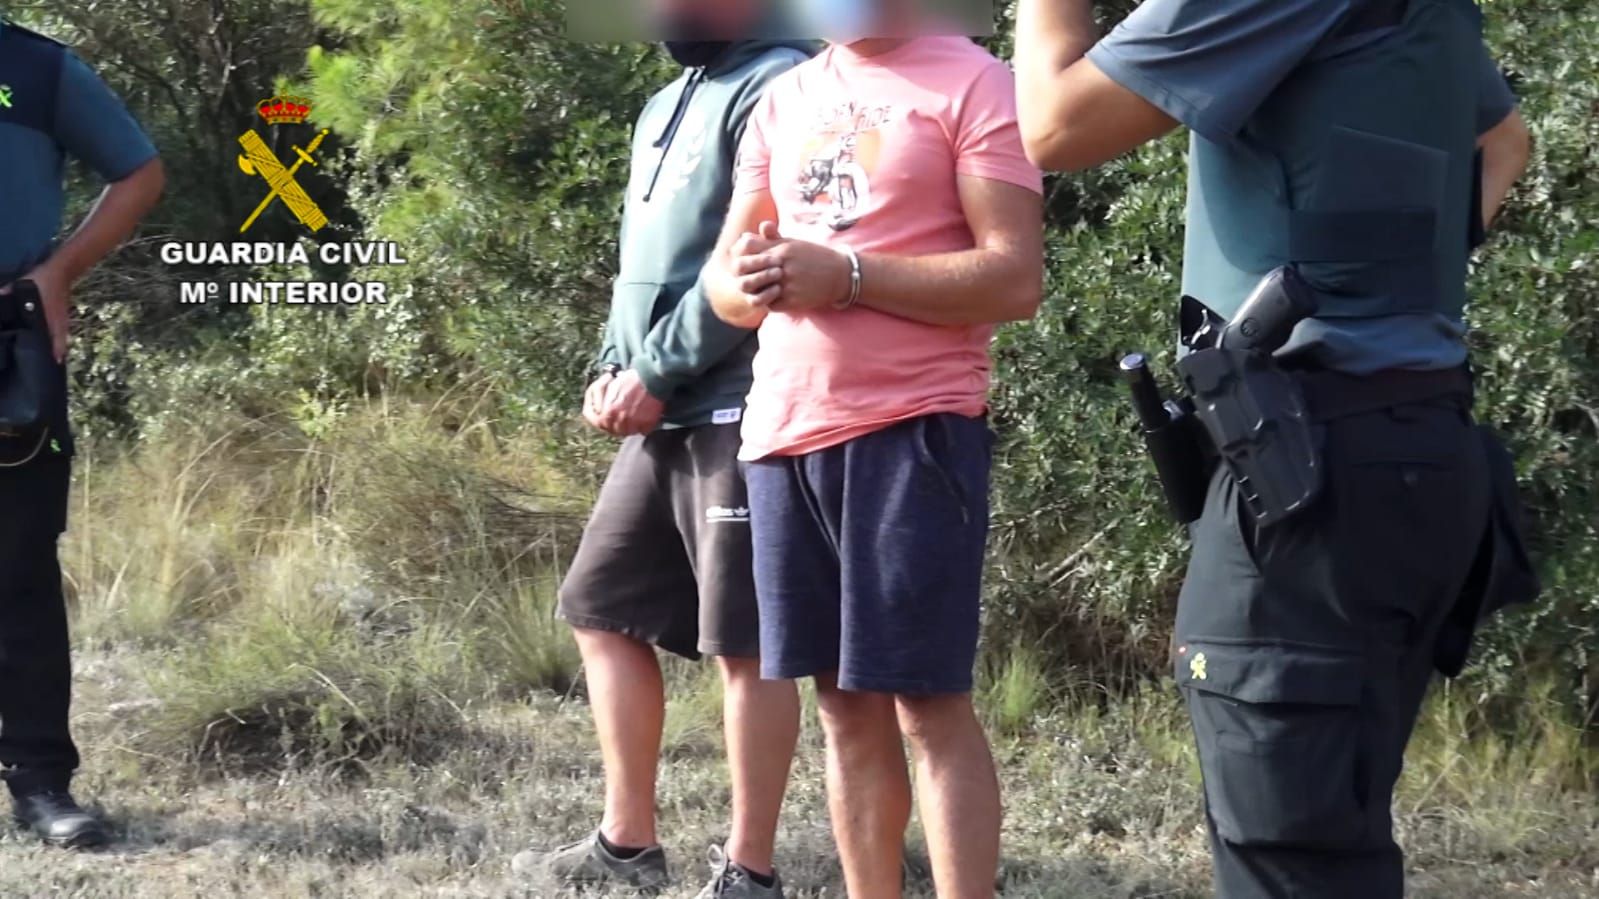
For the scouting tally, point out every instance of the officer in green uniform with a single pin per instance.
(51, 107)
(1342, 138)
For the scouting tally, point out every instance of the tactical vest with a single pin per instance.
(30, 75)
(30, 70)
(1359, 168)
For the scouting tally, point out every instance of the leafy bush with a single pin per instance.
(495, 151)
(505, 144)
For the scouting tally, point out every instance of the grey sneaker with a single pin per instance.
(729, 881)
(587, 862)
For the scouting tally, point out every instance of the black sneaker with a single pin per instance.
(59, 820)
(729, 881)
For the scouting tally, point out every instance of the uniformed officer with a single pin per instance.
(51, 106)
(1339, 137)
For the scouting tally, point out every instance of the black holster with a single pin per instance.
(30, 388)
(1259, 422)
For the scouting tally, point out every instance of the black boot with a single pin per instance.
(59, 821)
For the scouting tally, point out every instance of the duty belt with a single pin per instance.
(1333, 395)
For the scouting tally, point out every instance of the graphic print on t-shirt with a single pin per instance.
(835, 180)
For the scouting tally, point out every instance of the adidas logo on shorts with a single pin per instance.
(717, 514)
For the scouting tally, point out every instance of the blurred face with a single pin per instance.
(847, 21)
(839, 21)
(704, 20)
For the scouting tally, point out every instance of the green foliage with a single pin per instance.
(192, 73)
(1015, 689)
(1536, 338)
(494, 151)
(501, 148)
(1088, 557)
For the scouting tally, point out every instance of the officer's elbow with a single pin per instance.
(1519, 140)
(1508, 146)
(1061, 131)
(1056, 146)
(156, 175)
(143, 188)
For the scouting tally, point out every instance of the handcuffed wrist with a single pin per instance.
(854, 295)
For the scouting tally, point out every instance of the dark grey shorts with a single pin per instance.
(665, 557)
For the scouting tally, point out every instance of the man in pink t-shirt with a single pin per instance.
(885, 218)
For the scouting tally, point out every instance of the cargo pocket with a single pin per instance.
(1281, 741)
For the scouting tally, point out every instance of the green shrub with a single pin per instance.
(494, 151)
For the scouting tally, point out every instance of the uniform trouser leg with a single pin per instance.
(1305, 649)
(36, 747)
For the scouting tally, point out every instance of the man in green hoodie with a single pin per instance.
(665, 561)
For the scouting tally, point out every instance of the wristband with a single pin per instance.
(854, 280)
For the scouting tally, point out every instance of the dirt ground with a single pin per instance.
(1087, 817)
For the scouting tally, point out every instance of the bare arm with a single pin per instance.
(1506, 149)
(120, 209)
(114, 216)
(1001, 279)
(738, 299)
(1073, 116)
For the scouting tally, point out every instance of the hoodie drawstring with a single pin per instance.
(664, 142)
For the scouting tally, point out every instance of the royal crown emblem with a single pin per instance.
(284, 110)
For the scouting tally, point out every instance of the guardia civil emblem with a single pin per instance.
(258, 159)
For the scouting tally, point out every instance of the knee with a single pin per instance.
(742, 682)
(932, 720)
(853, 718)
(595, 643)
(739, 673)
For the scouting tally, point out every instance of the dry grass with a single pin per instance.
(1100, 806)
(327, 666)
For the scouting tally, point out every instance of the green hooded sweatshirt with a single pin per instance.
(684, 151)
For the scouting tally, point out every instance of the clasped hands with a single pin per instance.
(619, 404)
(771, 272)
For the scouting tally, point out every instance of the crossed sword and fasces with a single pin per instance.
(258, 159)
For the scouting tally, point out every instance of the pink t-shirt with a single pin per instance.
(863, 152)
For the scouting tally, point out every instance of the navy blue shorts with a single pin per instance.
(869, 557)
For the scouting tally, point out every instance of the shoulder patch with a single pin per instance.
(30, 79)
